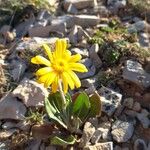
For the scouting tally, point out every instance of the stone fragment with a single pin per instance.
(11, 108)
(6, 134)
(79, 4)
(100, 146)
(72, 9)
(137, 27)
(88, 132)
(119, 110)
(143, 118)
(136, 106)
(128, 102)
(33, 144)
(87, 82)
(86, 20)
(96, 136)
(18, 69)
(40, 31)
(51, 147)
(144, 40)
(23, 28)
(94, 56)
(90, 90)
(8, 125)
(122, 131)
(31, 93)
(110, 100)
(134, 72)
(42, 131)
(83, 52)
(130, 113)
(139, 144)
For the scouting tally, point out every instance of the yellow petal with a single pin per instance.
(69, 80)
(50, 79)
(43, 78)
(75, 58)
(75, 79)
(55, 85)
(48, 51)
(78, 67)
(58, 49)
(65, 84)
(64, 45)
(43, 71)
(40, 60)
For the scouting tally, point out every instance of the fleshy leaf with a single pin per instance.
(81, 106)
(70, 140)
(95, 110)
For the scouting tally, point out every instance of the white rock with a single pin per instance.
(86, 20)
(103, 146)
(87, 82)
(144, 40)
(122, 131)
(31, 93)
(11, 108)
(6, 134)
(83, 52)
(94, 56)
(8, 125)
(79, 4)
(139, 144)
(88, 132)
(110, 100)
(134, 72)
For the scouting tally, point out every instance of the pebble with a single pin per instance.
(136, 106)
(30, 92)
(110, 100)
(128, 102)
(139, 144)
(122, 131)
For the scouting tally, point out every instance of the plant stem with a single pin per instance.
(62, 94)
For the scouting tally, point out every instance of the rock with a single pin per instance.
(51, 148)
(83, 52)
(42, 131)
(41, 31)
(136, 106)
(18, 69)
(102, 10)
(79, 4)
(6, 134)
(128, 102)
(139, 144)
(90, 90)
(134, 72)
(87, 82)
(144, 40)
(137, 27)
(8, 125)
(72, 9)
(94, 121)
(33, 144)
(147, 64)
(88, 132)
(94, 56)
(86, 20)
(96, 137)
(100, 146)
(24, 126)
(23, 28)
(130, 113)
(122, 131)
(110, 100)
(4, 29)
(104, 129)
(145, 100)
(119, 110)
(143, 118)
(68, 20)
(11, 108)
(31, 93)
(3, 146)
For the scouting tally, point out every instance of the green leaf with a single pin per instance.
(53, 113)
(81, 106)
(70, 140)
(95, 110)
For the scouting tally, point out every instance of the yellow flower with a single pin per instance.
(59, 68)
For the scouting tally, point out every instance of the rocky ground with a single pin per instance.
(115, 46)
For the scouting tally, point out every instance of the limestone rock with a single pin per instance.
(30, 92)
(139, 144)
(110, 100)
(11, 108)
(122, 131)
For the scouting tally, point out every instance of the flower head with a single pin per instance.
(60, 67)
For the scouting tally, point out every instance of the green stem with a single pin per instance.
(62, 94)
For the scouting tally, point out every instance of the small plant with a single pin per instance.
(67, 112)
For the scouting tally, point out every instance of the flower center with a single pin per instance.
(60, 66)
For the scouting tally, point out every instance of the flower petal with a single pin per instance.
(64, 45)
(58, 49)
(75, 78)
(40, 60)
(78, 67)
(55, 85)
(43, 71)
(48, 51)
(75, 58)
(65, 84)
